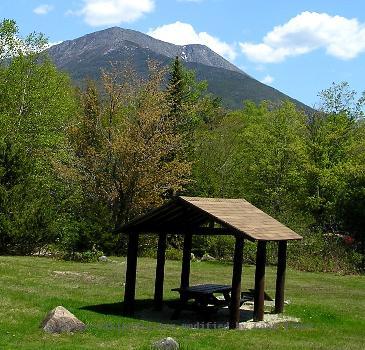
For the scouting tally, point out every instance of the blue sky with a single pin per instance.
(298, 47)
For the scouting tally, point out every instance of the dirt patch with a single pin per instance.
(83, 276)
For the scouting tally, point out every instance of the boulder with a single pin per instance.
(166, 344)
(61, 320)
(103, 258)
(207, 257)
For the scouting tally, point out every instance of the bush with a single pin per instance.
(319, 253)
(173, 254)
(147, 245)
(220, 247)
(85, 257)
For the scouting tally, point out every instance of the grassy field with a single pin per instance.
(331, 307)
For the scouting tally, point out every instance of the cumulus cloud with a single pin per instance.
(113, 12)
(43, 9)
(341, 37)
(183, 34)
(268, 79)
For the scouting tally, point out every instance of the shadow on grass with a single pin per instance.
(144, 310)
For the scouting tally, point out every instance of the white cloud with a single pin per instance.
(268, 79)
(43, 9)
(113, 12)
(341, 37)
(183, 34)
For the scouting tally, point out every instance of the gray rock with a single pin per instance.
(207, 257)
(61, 320)
(166, 344)
(103, 258)
(271, 321)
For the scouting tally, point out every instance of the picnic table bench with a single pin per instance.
(204, 299)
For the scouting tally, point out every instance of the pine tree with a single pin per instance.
(177, 87)
(189, 103)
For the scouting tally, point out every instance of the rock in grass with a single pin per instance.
(166, 344)
(207, 257)
(103, 258)
(61, 320)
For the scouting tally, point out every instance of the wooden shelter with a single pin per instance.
(190, 216)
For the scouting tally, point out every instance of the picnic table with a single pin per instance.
(204, 298)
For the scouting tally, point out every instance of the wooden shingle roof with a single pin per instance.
(234, 216)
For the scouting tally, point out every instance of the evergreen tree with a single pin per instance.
(177, 92)
(175, 102)
(190, 104)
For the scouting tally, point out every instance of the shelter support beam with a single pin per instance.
(259, 297)
(185, 270)
(280, 277)
(234, 309)
(130, 279)
(160, 271)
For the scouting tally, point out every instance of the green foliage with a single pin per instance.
(177, 88)
(190, 105)
(341, 99)
(324, 253)
(221, 247)
(173, 254)
(272, 157)
(256, 153)
(306, 172)
(35, 103)
(83, 256)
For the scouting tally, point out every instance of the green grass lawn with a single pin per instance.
(331, 307)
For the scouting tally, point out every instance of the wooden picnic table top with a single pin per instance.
(204, 289)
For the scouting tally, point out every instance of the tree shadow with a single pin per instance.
(144, 310)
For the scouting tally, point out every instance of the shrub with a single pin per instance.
(319, 253)
(173, 254)
(86, 257)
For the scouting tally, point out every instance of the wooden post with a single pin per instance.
(234, 309)
(130, 279)
(280, 277)
(259, 297)
(160, 271)
(185, 270)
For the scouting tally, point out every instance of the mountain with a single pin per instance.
(86, 56)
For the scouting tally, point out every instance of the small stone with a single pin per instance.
(166, 344)
(207, 257)
(103, 258)
(61, 320)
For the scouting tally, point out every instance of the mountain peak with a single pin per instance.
(115, 38)
(84, 57)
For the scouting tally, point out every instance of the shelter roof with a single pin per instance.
(193, 214)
